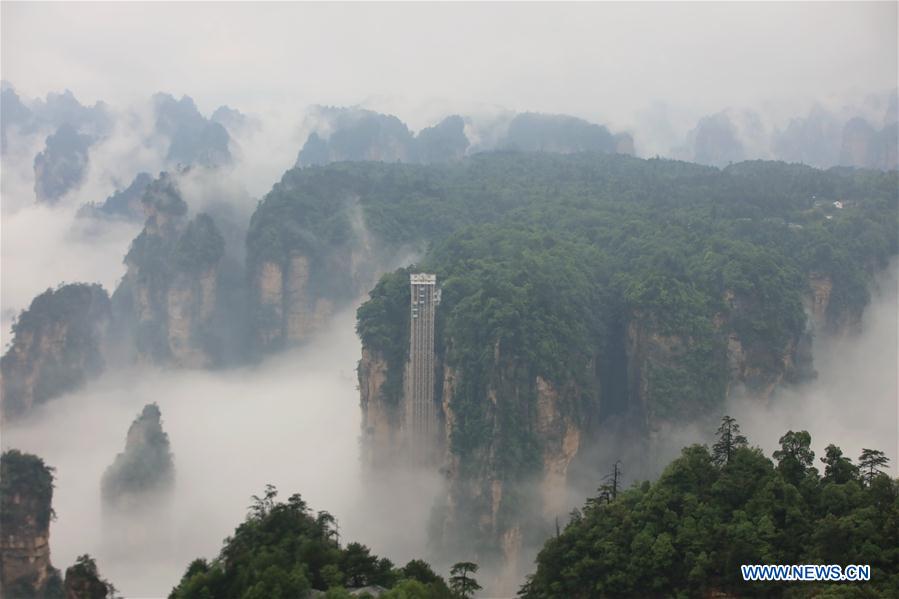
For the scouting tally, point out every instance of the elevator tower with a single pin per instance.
(421, 413)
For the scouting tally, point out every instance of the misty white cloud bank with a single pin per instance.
(854, 402)
(575, 58)
(292, 422)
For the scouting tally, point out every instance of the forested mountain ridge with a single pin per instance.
(355, 134)
(688, 242)
(609, 293)
(583, 294)
(715, 509)
(57, 346)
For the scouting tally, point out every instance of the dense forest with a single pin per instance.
(284, 550)
(593, 288)
(560, 251)
(715, 509)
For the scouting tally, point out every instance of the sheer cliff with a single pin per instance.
(145, 472)
(169, 296)
(26, 497)
(590, 313)
(57, 346)
(26, 494)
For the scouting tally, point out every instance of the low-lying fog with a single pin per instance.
(854, 402)
(292, 422)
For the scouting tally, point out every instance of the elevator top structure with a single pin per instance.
(421, 413)
(421, 278)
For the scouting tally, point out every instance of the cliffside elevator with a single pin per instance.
(421, 413)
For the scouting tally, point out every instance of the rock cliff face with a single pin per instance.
(190, 305)
(168, 297)
(57, 346)
(512, 476)
(516, 442)
(145, 472)
(83, 581)
(123, 204)
(361, 135)
(826, 317)
(506, 491)
(380, 417)
(26, 493)
(294, 298)
(62, 165)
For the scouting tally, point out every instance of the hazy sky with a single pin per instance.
(600, 61)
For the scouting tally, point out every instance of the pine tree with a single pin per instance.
(837, 469)
(729, 439)
(871, 464)
(461, 583)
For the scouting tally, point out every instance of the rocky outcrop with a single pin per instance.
(349, 134)
(26, 494)
(62, 165)
(123, 204)
(512, 482)
(444, 142)
(357, 135)
(193, 139)
(534, 132)
(380, 416)
(647, 350)
(145, 472)
(168, 297)
(57, 346)
(83, 581)
(268, 284)
(827, 318)
(190, 305)
(294, 298)
(818, 300)
(560, 439)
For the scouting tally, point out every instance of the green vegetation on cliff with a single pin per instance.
(83, 581)
(27, 477)
(640, 290)
(146, 467)
(56, 346)
(282, 549)
(713, 510)
(26, 495)
(541, 256)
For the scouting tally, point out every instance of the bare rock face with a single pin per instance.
(821, 286)
(169, 294)
(57, 346)
(145, 472)
(26, 494)
(292, 299)
(190, 304)
(269, 289)
(380, 418)
(561, 439)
